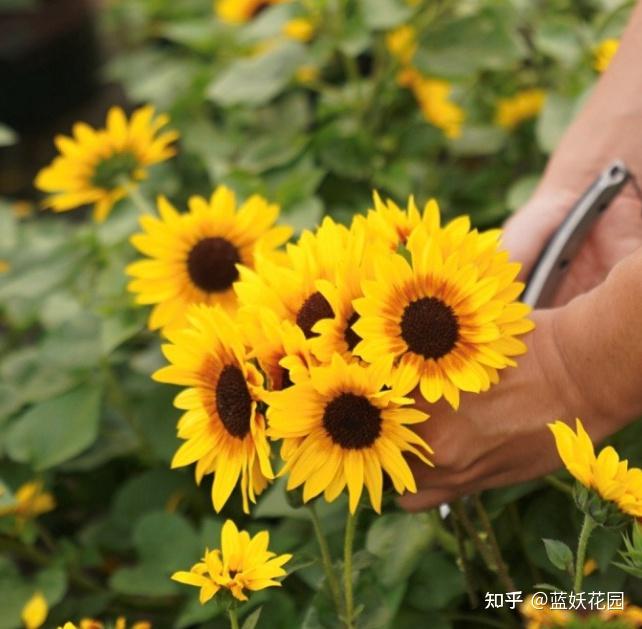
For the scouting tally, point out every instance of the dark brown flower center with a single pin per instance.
(352, 421)
(233, 401)
(429, 327)
(349, 335)
(314, 308)
(211, 264)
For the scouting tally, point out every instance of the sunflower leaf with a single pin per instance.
(559, 554)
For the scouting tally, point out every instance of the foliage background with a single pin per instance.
(78, 409)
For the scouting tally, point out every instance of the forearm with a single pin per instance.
(598, 338)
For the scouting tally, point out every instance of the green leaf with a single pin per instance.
(398, 540)
(165, 542)
(252, 620)
(520, 192)
(478, 140)
(384, 14)
(56, 430)
(557, 37)
(461, 47)
(257, 80)
(559, 554)
(436, 584)
(556, 115)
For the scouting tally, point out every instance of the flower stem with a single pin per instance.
(326, 559)
(465, 566)
(493, 546)
(587, 528)
(351, 528)
(139, 200)
(234, 619)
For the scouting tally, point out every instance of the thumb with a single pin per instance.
(527, 231)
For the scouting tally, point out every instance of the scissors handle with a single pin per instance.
(565, 242)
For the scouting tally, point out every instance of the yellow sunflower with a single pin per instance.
(387, 222)
(224, 432)
(522, 106)
(606, 474)
(192, 257)
(353, 265)
(448, 317)
(280, 347)
(604, 53)
(240, 11)
(242, 563)
(291, 288)
(347, 429)
(98, 166)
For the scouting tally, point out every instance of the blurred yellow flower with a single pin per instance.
(31, 501)
(99, 166)
(590, 566)
(604, 53)
(433, 96)
(242, 563)
(402, 43)
(22, 209)
(69, 625)
(240, 11)
(538, 617)
(306, 74)
(609, 477)
(522, 106)
(121, 623)
(35, 611)
(4, 266)
(300, 29)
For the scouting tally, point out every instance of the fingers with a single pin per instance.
(527, 232)
(426, 499)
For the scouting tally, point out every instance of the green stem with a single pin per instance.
(493, 546)
(351, 528)
(326, 559)
(585, 533)
(234, 619)
(139, 200)
(465, 566)
(553, 481)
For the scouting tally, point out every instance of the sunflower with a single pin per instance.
(280, 347)
(223, 430)
(348, 430)
(291, 288)
(449, 317)
(35, 611)
(393, 225)
(31, 501)
(192, 257)
(604, 53)
(605, 474)
(99, 165)
(242, 563)
(353, 265)
(522, 106)
(241, 11)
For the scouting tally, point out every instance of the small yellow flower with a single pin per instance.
(402, 43)
(70, 625)
(604, 53)
(522, 106)
(434, 98)
(242, 563)
(4, 266)
(300, 29)
(22, 209)
(609, 477)
(590, 566)
(31, 501)
(35, 611)
(99, 166)
(538, 617)
(306, 74)
(241, 11)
